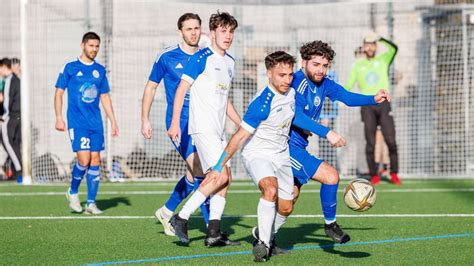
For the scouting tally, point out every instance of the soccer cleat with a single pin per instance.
(92, 209)
(180, 227)
(274, 249)
(260, 251)
(74, 202)
(169, 231)
(220, 241)
(375, 180)
(335, 232)
(394, 179)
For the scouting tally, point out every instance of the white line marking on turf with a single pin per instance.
(251, 191)
(438, 215)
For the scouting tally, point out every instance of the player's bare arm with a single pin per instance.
(58, 109)
(232, 113)
(107, 104)
(175, 132)
(147, 101)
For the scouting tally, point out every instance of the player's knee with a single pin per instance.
(84, 161)
(95, 160)
(333, 177)
(285, 209)
(269, 189)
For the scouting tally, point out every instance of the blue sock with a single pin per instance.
(328, 194)
(181, 191)
(92, 183)
(205, 206)
(77, 175)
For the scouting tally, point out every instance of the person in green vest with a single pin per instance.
(371, 75)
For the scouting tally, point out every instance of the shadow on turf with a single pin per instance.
(111, 203)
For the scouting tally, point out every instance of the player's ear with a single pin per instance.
(269, 73)
(180, 34)
(82, 46)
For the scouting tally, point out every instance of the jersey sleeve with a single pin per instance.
(194, 67)
(339, 93)
(158, 71)
(258, 110)
(104, 85)
(388, 56)
(63, 78)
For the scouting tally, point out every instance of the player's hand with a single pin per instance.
(147, 131)
(382, 96)
(60, 125)
(335, 139)
(175, 133)
(212, 174)
(115, 130)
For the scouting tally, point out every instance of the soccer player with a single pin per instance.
(371, 74)
(208, 75)
(87, 85)
(169, 67)
(312, 87)
(264, 134)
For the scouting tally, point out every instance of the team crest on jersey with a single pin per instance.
(96, 74)
(317, 101)
(89, 92)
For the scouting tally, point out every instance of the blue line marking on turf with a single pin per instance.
(226, 254)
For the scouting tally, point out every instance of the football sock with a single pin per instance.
(217, 207)
(279, 221)
(77, 175)
(166, 213)
(266, 216)
(206, 205)
(328, 194)
(92, 183)
(181, 191)
(196, 200)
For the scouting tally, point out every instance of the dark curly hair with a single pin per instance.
(223, 19)
(277, 57)
(317, 48)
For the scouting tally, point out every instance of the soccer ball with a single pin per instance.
(359, 195)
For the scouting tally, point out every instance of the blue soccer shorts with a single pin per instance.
(303, 164)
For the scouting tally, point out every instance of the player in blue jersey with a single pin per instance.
(169, 66)
(87, 85)
(312, 87)
(208, 76)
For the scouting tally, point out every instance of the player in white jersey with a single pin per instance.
(264, 136)
(208, 75)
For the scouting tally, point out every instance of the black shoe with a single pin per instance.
(335, 232)
(260, 251)
(221, 240)
(180, 227)
(274, 249)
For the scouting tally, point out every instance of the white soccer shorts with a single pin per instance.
(209, 148)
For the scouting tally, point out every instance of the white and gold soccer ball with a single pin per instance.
(359, 195)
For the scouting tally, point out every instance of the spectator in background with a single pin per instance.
(371, 74)
(11, 127)
(16, 67)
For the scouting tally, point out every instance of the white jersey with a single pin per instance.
(210, 75)
(269, 118)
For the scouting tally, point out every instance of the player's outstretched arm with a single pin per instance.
(147, 101)
(175, 132)
(107, 104)
(58, 109)
(232, 113)
(339, 93)
(237, 140)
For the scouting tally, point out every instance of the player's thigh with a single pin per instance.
(209, 149)
(260, 169)
(326, 174)
(303, 164)
(286, 183)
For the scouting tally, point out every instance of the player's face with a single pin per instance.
(370, 48)
(316, 68)
(280, 77)
(90, 48)
(191, 32)
(223, 37)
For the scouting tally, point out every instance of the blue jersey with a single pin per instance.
(169, 66)
(310, 99)
(85, 83)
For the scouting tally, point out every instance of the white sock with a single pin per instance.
(166, 213)
(279, 221)
(217, 205)
(196, 200)
(266, 216)
(329, 221)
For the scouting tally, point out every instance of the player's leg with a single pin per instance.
(370, 127)
(93, 173)
(11, 136)
(195, 165)
(388, 130)
(83, 157)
